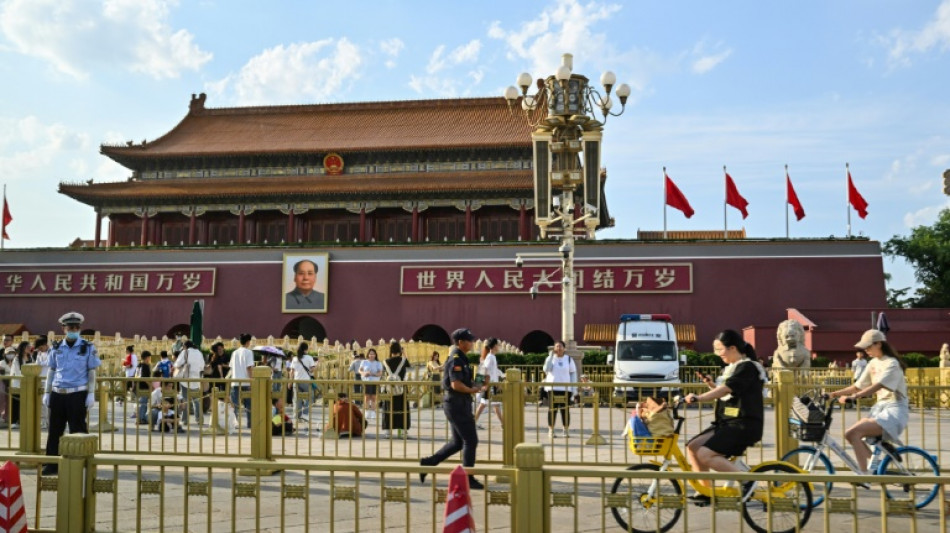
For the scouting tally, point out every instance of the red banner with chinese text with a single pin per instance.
(496, 279)
(108, 282)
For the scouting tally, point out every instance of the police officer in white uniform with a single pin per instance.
(71, 386)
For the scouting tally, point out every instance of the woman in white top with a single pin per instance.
(371, 369)
(488, 367)
(559, 368)
(884, 376)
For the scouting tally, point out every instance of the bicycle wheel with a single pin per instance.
(910, 462)
(787, 504)
(645, 512)
(809, 459)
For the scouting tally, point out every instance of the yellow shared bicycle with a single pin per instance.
(644, 504)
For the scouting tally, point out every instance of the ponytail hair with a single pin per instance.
(889, 351)
(731, 337)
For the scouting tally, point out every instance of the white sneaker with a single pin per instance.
(563, 433)
(480, 426)
(550, 433)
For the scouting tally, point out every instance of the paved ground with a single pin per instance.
(393, 499)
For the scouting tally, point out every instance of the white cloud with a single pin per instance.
(925, 216)
(708, 61)
(467, 53)
(77, 36)
(935, 34)
(314, 71)
(391, 48)
(27, 146)
(940, 160)
(565, 27)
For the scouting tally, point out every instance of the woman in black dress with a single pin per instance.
(396, 412)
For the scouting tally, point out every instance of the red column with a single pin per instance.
(144, 228)
(468, 222)
(241, 239)
(290, 226)
(98, 240)
(415, 224)
(523, 223)
(362, 224)
(191, 228)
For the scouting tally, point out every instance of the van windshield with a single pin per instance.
(646, 351)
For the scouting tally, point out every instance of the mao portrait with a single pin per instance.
(305, 283)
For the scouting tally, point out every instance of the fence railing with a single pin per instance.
(98, 491)
(409, 426)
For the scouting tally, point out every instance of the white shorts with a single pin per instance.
(892, 417)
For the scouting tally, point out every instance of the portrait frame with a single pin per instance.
(293, 298)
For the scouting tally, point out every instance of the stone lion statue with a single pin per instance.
(791, 351)
(945, 356)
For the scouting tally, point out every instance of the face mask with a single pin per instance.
(72, 335)
(9, 356)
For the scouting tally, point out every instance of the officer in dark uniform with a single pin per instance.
(70, 388)
(458, 384)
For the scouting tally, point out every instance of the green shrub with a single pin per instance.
(820, 362)
(595, 357)
(919, 360)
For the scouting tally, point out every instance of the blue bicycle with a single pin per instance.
(889, 458)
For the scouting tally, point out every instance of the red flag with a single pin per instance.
(7, 218)
(856, 200)
(735, 199)
(675, 198)
(792, 198)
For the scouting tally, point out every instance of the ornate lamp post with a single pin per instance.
(564, 111)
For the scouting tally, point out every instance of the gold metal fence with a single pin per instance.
(221, 493)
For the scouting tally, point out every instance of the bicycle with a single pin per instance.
(656, 505)
(888, 458)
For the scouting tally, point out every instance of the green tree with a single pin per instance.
(927, 249)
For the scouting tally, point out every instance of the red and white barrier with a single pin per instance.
(12, 511)
(458, 504)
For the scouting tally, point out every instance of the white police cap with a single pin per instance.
(71, 317)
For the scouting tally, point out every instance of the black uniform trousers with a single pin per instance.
(458, 411)
(63, 409)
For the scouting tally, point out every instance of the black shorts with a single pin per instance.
(730, 441)
(369, 389)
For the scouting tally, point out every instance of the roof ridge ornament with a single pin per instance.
(197, 104)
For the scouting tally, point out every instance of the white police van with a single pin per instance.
(646, 352)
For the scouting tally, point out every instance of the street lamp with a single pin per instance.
(564, 112)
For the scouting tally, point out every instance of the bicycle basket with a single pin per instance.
(807, 410)
(650, 445)
(807, 431)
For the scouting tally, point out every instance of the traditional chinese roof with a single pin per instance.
(702, 235)
(468, 123)
(606, 334)
(302, 188)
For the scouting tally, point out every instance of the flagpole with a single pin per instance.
(786, 200)
(665, 199)
(847, 196)
(2, 240)
(725, 211)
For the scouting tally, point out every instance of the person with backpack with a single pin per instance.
(163, 369)
(301, 367)
(396, 411)
(190, 366)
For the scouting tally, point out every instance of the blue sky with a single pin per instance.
(750, 85)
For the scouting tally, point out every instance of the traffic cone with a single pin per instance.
(458, 504)
(12, 512)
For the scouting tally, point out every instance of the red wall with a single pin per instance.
(734, 285)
